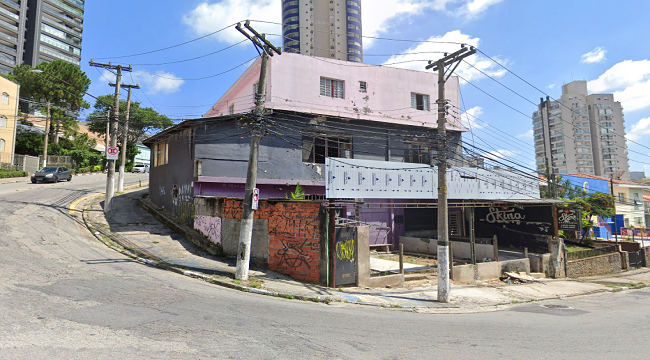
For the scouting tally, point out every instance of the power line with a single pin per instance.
(168, 47)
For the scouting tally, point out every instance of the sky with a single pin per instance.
(527, 50)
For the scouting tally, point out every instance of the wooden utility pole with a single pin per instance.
(125, 136)
(443, 231)
(110, 177)
(246, 229)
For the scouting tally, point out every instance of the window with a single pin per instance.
(161, 155)
(2, 145)
(332, 88)
(3, 121)
(621, 197)
(5, 98)
(419, 102)
(363, 86)
(317, 146)
(231, 109)
(419, 152)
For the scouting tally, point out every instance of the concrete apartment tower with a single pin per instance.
(32, 31)
(323, 28)
(581, 133)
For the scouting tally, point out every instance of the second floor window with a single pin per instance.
(316, 147)
(419, 102)
(5, 98)
(332, 88)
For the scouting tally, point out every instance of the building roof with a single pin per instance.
(646, 198)
(616, 181)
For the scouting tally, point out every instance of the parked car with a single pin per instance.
(140, 168)
(52, 174)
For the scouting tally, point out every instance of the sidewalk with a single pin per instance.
(136, 233)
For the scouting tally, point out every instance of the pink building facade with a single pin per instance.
(343, 89)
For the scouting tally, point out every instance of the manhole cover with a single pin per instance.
(552, 306)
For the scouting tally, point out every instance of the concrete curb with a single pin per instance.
(144, 258)
(147, 259)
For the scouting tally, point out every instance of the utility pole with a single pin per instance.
(125, 136)
(611, 190)
(266, 49)
(110, 176)
(47, 134)
(443, 231)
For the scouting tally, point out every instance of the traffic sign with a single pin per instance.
(112, 152)
(256, 198)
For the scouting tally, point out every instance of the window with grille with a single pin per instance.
(316, 147)
(3, 121)
(332, 88)
(419, 102)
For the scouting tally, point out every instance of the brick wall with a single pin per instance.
(295, 239)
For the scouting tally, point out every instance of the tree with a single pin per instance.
(29, 143)
(141, 120)
(62, 84)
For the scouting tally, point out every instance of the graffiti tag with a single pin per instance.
(293, 255)
(345, 250)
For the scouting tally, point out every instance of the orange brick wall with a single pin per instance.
(294, 235)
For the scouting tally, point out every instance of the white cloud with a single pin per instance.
(378, 16)
(499, 154)
(470, 117)
(639, 130)
(629, 81)
(528, 135)
(160, 82)
(415, 57)
(551, 86)
(596, 55)
(209, 17)
(474, 8)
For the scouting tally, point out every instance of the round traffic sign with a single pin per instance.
(113, 150)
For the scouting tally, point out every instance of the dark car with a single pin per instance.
(52, 174)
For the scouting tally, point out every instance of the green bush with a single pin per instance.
(12, 174)
(84, 169)
(97, 168)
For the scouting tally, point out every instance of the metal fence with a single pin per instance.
(577, 255)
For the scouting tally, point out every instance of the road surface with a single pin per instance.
(64, 295)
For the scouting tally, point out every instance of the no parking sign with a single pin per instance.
(256, 198)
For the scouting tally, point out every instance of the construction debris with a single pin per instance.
(512, 278)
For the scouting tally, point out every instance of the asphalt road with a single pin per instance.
(64, 295)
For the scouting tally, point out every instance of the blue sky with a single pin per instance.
(546, 43)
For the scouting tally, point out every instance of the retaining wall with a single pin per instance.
(598, 265)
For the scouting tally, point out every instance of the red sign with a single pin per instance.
(111, 153)
(256, 198)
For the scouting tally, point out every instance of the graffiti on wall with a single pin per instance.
(209, 226)
(293, 254)
(182, 198)
(161, 191)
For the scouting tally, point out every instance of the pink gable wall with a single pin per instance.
(294, 84)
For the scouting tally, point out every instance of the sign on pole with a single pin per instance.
(112, 153)
(256, 198)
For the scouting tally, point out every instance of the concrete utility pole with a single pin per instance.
(47, 134)
(110, 177)
(443, 231)
(246, 230)
(125, 136)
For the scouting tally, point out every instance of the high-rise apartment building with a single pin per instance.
(328, 29)
(581, 133)
(32, 31)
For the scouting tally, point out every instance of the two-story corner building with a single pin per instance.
(8, 115)
(318, 108)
